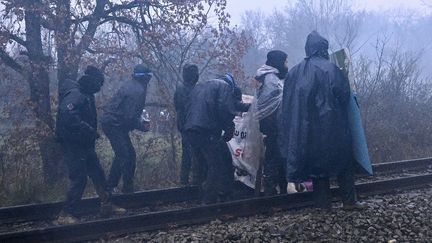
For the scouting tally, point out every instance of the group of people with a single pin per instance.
(77, 132)
(302, 115)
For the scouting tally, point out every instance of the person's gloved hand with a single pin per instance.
(228, 134)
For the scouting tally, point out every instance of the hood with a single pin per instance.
(264, 70)
(229, 79)
(89, 85)
(190, 74)
(315, 43)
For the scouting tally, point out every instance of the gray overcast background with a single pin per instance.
(405, 22)
(237, 7)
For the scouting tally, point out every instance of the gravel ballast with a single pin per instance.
(405, 217)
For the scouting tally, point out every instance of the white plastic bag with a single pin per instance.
(247, 146)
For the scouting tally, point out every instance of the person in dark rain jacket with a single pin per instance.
(77, 131)
(181, 98)
(210, 111)
(239, 105)
(122, 114)
(314, 137)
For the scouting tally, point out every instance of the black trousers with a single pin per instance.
(274, 165)
(191, 162)
(82, 161)
(124, 163)
(186, 161)
(274, 168)
(322, 193)
(220, 171)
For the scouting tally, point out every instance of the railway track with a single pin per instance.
(44, 211)
(185, 216)
(30, 212)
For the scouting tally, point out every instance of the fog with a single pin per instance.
(238, 7)
(358, 25)
(44, 43)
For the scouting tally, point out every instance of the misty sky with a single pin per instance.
(237, 7)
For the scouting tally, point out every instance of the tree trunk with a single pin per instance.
(38, 79)
(68, 61)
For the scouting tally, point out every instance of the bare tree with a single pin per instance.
(74, 25)
(335, 19)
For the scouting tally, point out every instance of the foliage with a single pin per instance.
(45, 42)
(389, 75)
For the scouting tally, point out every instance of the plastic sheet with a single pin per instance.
(269, 91)
(247, 146)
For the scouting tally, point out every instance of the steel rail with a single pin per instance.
(402, 165)
(91, 205)
(155, 197)
(201, 214)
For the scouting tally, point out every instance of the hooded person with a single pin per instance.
(315, 139)
(121, 115)
(209, 126)
(238, 95)
(77, 130)
(181, 98)
(269, 97)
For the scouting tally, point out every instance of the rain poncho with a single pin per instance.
(269, 94)
(314, 132)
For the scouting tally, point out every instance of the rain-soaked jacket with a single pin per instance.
(181, 97)
(314, 132)
(76, 118)
(211, 107)
(63, 90)
(125, 107)
(269, 94)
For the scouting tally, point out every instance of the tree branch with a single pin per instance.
(9, 61)
(92, 26)
(114, 8)
(10, 36)
(123, 20)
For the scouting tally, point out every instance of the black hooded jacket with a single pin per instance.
(181, 98)
(181, 95)
(63, 90)
(210, 107)
(76, 117)
(124, 109)
(314, 131)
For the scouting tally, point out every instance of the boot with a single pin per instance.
(354, 206)
(66, 219)
(269, 186)
(114, 191)
(128, 189)
(108, 209)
